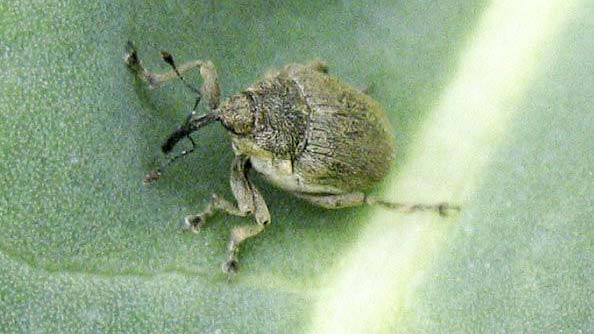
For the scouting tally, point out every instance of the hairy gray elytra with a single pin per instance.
(307, 132)
(304, 130)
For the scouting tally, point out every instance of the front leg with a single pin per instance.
(210, 90)
(249, 202)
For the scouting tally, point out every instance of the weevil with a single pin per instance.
(304, 130)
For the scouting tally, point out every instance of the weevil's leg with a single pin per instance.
(239, 235)
(193, 223)
(334, 201)
(246, 193)
(210, 87)
(154, 80)
(240, 187)
(359, 198)
(249, 202)
(442, 208)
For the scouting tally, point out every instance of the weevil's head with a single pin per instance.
(237, 114)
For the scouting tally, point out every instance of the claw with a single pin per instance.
(192, 223)
(231, 266)
(444, 208)
(152, 176)
(131, 56)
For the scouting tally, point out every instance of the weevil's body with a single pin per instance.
(309, 133)
(302, 129)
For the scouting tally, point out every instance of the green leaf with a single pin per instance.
(492, 106)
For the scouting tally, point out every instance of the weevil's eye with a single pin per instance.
(237, 114)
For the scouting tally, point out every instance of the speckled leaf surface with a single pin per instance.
(85, 247)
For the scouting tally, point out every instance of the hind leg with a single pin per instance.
(358, 198)
(334, 201)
